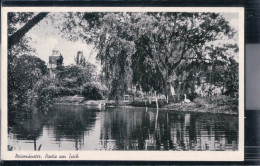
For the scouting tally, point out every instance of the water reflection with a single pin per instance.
(70, 122)
(68, 127)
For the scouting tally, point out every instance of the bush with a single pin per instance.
(62, 91)
(217, 101)
(47, 95)
(92, 92)
(222, 100)
(200, 102)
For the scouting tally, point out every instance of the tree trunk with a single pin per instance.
(179, 92)
(17, 36)
(169, 91)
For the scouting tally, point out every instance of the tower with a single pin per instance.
(80, 59)
(55, 60)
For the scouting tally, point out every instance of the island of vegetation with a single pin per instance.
(181, 61)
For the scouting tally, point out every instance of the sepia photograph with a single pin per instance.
(140, 80)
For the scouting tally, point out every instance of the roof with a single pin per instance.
(53, 59)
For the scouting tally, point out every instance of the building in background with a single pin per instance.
(80, 59)
(55, 62)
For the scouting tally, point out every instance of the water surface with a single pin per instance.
(68, 127)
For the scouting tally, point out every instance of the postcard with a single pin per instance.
(122, 83)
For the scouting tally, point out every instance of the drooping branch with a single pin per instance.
(16, 37)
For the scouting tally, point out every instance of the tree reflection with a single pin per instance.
(71, 122)
(128, 129)
(27, 127)
(65, 121)
(134, 129)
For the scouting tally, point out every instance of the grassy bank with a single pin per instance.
(213, 104)
(217, 104)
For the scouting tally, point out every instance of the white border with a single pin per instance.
(126, 155)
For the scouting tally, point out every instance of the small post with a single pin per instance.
(157, 107)
(39, 147)
(167, 118)
(145, 106)
(34, 143)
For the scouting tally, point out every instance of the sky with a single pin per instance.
(45, 38)
(232, 18)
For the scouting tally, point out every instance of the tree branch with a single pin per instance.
(16, 37)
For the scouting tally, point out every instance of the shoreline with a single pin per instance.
(178, 107)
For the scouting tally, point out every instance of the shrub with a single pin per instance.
(200, 102)
(217, 101)
(223, 100)
(62, 91)
(92, 92)
(47, 95)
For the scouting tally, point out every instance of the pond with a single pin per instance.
(71, 127)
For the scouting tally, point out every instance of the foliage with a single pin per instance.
(175, 48)
(91, 91)
(49, 93)
(21, 20)
(232, 79)
(76, 75)
(142, 51)
(17, 20)
(48, 89)
(23, 73)
(29, 82)
(69, 81)
(155, 51)
(24, 70)
(28, 79)
(218, 102)
(114, 53)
